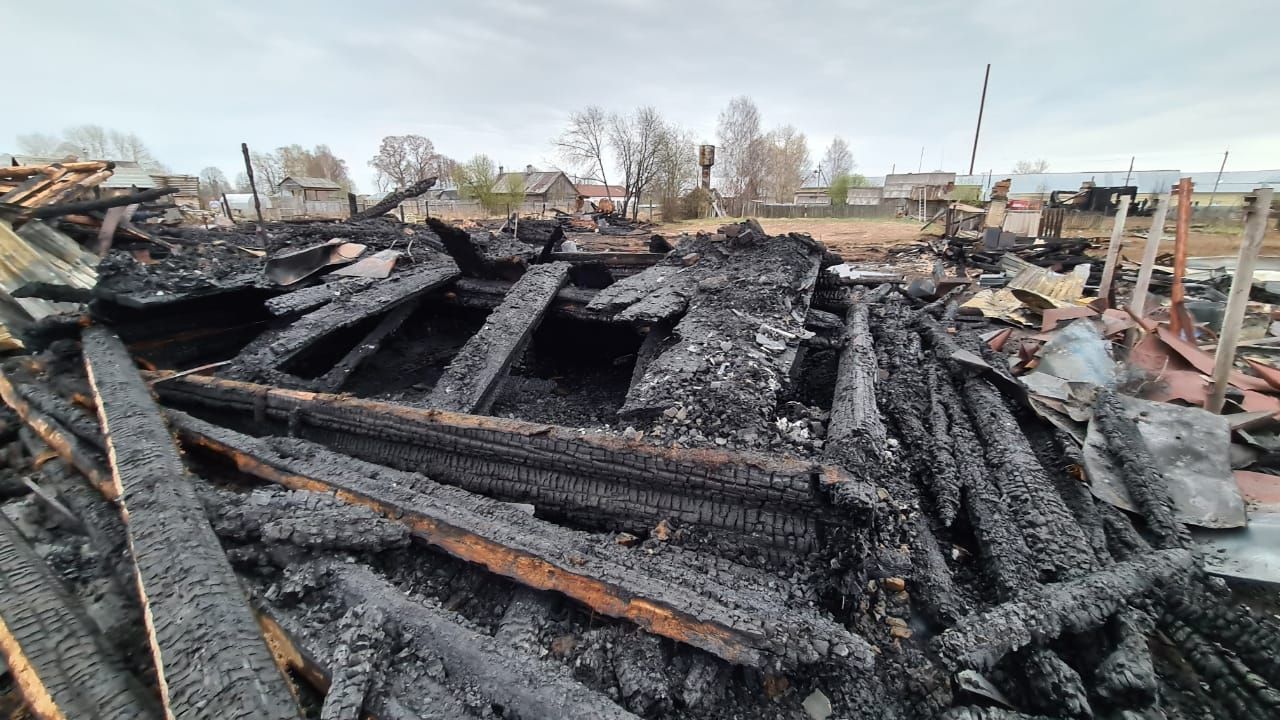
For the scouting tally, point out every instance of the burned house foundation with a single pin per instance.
(504, 481)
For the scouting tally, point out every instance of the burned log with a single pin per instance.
(308, 299)
(471, 381)
(746, 298)
(1038, 617)
(55, 655)
(569, 302)
(1053, 536)
(526, 687)
(856, 433)
(749, 499)
(355, 661)
(723, 613)
(268, 356)
(204, 638)
(302, 518)
(58, 210)
(336, 377)
(392, 199)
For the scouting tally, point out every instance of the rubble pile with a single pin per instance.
(349, 469)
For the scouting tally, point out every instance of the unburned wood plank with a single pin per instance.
(472, 378)
(210, 657)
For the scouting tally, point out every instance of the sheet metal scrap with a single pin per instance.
(1190, 447)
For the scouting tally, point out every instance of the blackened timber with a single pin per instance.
(746, 300)
(856, 431)
(204, 639)
(470, 382)
(755, 499)
(393, 199)
(336, 377)
(482, 294)
(725, 613)
(356, 660)
(308, 299)
(527, 688)
(1042, 615)
(55, 655)
(265, 357)
(71, 448)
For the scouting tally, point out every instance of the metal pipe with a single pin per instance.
(1255, 227)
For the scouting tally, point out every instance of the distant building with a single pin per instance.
(813, 195)
(1233, 187)
(311, 189)
(551, 187)
(188, 188)
(596, 193)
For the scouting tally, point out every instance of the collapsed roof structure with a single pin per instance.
(350, 469)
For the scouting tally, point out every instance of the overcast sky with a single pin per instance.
(1083, 86)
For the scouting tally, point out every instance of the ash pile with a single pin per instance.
(450, 474)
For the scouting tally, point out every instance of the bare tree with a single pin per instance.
(297, 161)
(637, 142)
(87, 141)
(742, 152)
(1025, 167)
(787, 164)
(584, 144)
(39, 144)
(677, 164)
(242, 182)
(405, 159)
(837, 161)
(267, 171)
(213, 183)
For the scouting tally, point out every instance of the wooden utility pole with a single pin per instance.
(1113, 252)
(1219, 178)
(248, 170)
(982, 104)
(1130, 173)
(352, 206)
(1139, 300)
(226, 207)
(1255, 227)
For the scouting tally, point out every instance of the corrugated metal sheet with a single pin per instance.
(903, 186)
(38, 253)
(127, 173)
(186, 184)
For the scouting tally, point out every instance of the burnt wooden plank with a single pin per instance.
(754, 500)
(265, 357)
(73, 449)
(473, 376)
(482, 294)
(210, 657)
(56, 657)
(307, 299)
(333, 380)
(727, 613)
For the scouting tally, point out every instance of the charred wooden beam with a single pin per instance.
(470, 382)
(308, 299)
(527, 688)
(204, 640)
(71, 448)
(1038, 617)
(58, 210)
(570, 302)
(856, 432)
(606, 481)
(356, 660)
(267, 356)
(392, 199)
(337, 376)
(60, 663)
(725, 614)
(746, 298)
(306, 519)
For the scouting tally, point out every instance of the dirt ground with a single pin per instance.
(863, 240)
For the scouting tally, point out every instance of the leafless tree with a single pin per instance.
(787, 164)
(637, 141)
(677, 164)
(837, 161)
(405, 159)
(297, 161)
(242, 182)
(584, 144)
(267, 171)
(213, 183)
(742, 151)
(1025, 167)
(39, 144)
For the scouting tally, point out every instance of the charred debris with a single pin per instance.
(368, 469)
